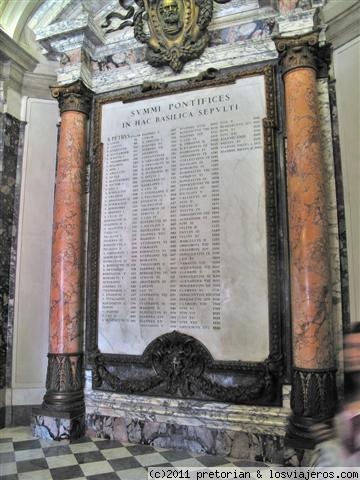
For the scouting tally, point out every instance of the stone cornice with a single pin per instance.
(60, 37)
(342, 20)
(36, 85)
(11, 51)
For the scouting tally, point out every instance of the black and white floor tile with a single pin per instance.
(24, 458)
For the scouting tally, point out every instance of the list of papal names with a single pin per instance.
(168, 174)
(161, 224)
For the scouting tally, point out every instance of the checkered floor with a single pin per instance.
(23, 457)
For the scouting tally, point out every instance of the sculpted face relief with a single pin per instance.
(169, 15)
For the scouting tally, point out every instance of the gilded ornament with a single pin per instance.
(175, 31)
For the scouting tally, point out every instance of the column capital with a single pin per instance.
(74, 96)
(302, 51)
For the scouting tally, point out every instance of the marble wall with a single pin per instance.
(346, 70)
(332, 215)
(34, 253)
(118, 62)
(11, 150)
(341, 217)
(27, 166)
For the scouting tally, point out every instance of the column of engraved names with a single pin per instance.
(173, 227)
(134, 304)
(115, 248)
(215, 225)
(194, 220)
(153, 235)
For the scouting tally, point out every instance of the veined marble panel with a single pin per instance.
(254, 433)
(233, 23)
(235, 7)
(297, 22)
(14, 252)
(253, 420)
(59, 428)
(236, 444)
(240, 53)
(251, 29)
(344, 271)
(11, 143)
(327, 149)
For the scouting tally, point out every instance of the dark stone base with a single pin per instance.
(299, 435)
(2, 417)
(57, 426)
(21, 415)
(16, 415)
(298, 457)
(198, 439)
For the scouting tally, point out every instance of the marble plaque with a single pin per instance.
(183, 222)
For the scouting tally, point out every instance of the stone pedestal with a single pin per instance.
(50, 425)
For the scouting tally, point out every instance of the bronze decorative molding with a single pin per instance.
(300, 51)
(152, 86)
(75, 96)
(64, 382)
(209, 74)
(181, 365)
(313, 400)
(177, 28)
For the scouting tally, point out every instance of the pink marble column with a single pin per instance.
(313, 395)
(64, 382)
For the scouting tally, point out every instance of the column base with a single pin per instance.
(59, 426)
(299, 433)
(64, 401)
(313, 402)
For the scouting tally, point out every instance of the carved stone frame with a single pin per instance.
(196, 374)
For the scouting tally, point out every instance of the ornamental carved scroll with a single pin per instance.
(175, 31)
(178, 365)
